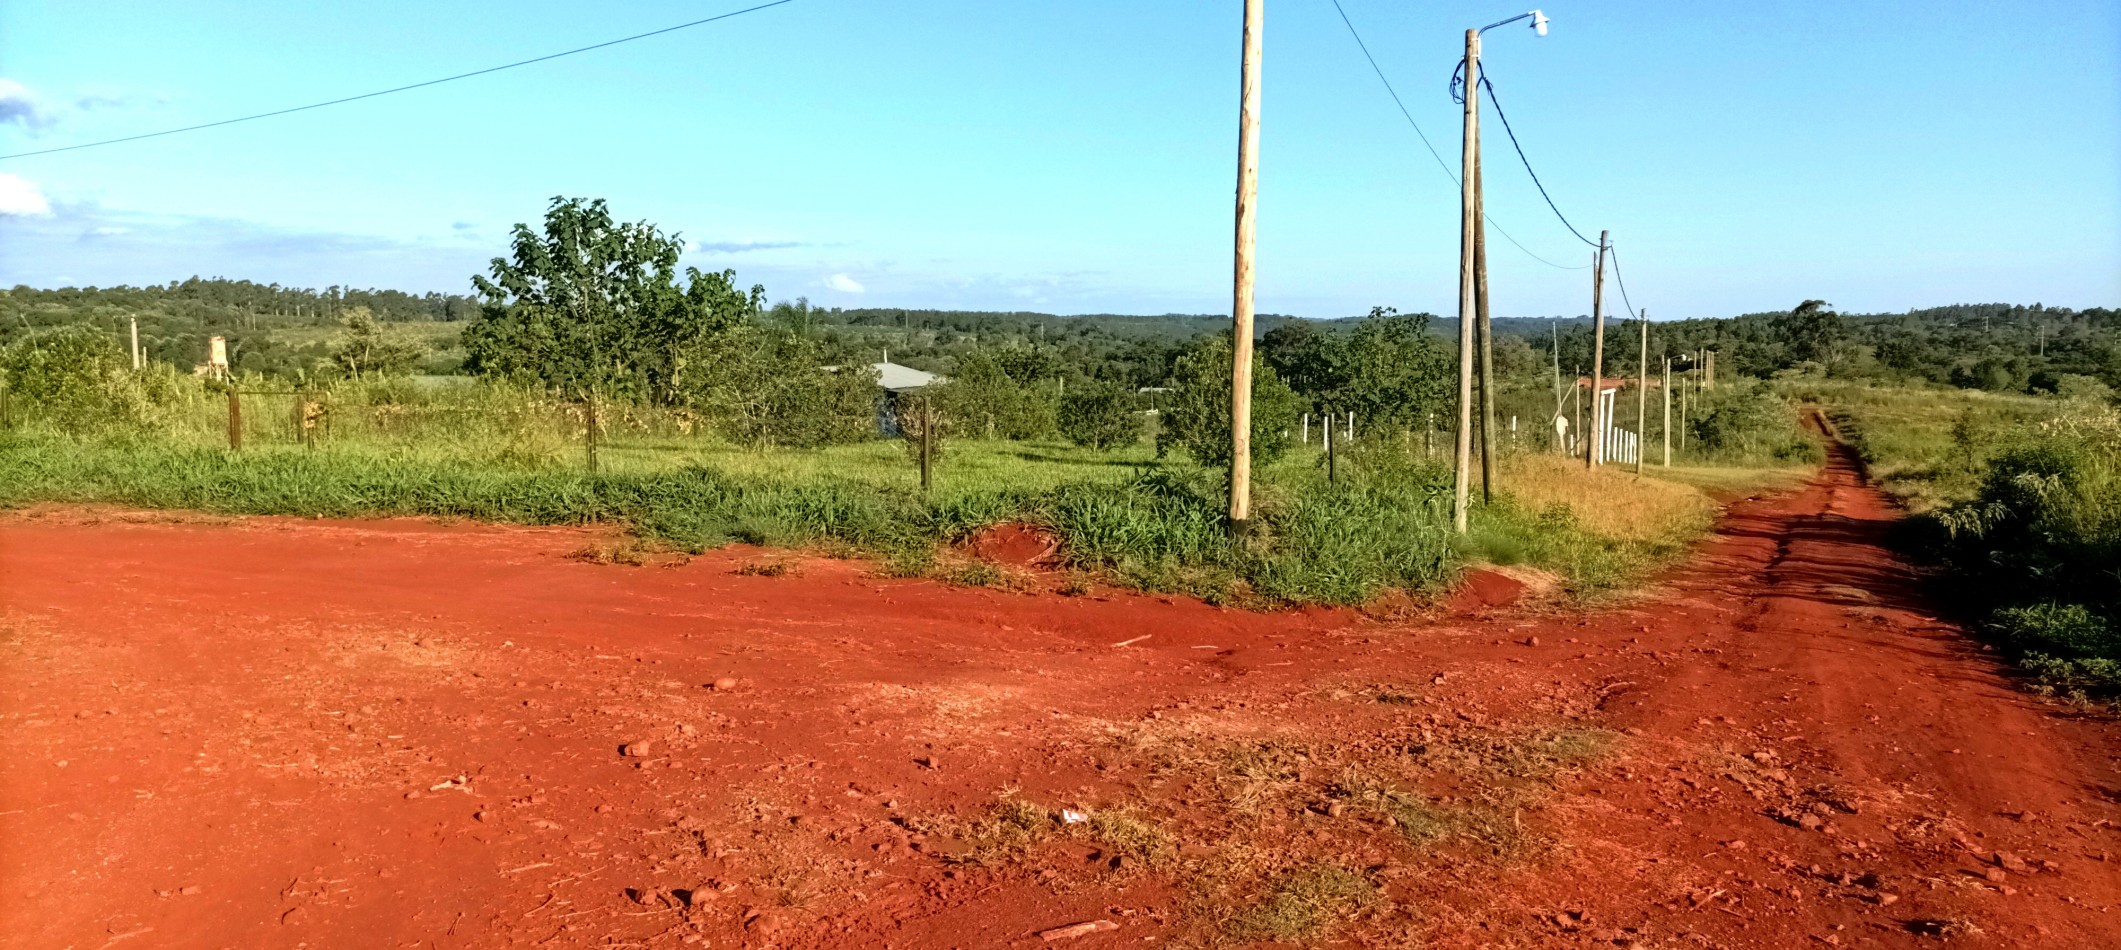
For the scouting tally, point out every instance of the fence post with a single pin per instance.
(927, 417)
(235, 419)
(589, 439)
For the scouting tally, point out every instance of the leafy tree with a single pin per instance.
(1100, 415)
(363, 348)
(1197, 416)
(591, 305)
(1397, 373)
(1310, 360)
(1808, 332)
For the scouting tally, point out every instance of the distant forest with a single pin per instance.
(278, 331)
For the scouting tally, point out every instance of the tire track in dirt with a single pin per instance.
(267, 732)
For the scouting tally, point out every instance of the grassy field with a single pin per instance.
(1925, 446)
(490, 453)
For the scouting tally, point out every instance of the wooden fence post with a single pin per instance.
(589, 440)
(927, 417)
(235, 419)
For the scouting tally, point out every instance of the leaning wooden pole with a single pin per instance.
(1469, 162)
(1486, 339)
(1241, 304)
(1593, 448)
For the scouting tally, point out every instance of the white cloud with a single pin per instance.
(108, 231)
(19, 197)
(843, 284)
(21, 107)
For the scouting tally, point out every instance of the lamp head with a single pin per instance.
(1539, 23)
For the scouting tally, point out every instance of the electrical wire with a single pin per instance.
(1613, 251)
(1409, 116)
(1490, 87)
(405, 88)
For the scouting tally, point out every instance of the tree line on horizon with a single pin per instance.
(588, 305)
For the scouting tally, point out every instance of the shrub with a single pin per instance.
(1005, 393)
(1197, 418)
(74, 378)
(1099, 415)
(767, 387)
(1747, 420)
(2057, 628)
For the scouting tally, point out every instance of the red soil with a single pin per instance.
(272, 732)
(1483, 588)
(1016, 545)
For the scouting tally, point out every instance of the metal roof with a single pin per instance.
(897, 378)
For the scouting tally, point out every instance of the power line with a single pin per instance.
(1490, 87)
(1409, 116)
(1614, 252)
(406, 88)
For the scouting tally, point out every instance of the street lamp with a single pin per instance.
(1473, 285)
(1539, 22)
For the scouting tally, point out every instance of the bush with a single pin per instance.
(1197, 418)
(767, 387)
(1099, 415)
(1004, 393)
(75, 379)
(1745, 420)
(2057, 628)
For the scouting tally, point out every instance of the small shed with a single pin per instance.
(894, 382)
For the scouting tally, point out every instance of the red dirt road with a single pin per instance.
(280, 733)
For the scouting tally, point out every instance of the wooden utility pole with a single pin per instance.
(1468, 307)
(1682, 411)
(1241, 308)
(1642, 393)
(1486, 338)
(1593, 449)
(1666, 389)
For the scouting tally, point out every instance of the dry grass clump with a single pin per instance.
(1301, 904)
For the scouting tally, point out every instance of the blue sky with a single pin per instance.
(1080, 156)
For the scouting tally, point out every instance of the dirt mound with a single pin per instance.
(1484, 588)
(1015, 544)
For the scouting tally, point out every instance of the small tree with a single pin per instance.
(1197, 418)
(590, 305)
(1099, 415)
(365, 348)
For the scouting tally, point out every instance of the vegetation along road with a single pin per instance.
(340, 733)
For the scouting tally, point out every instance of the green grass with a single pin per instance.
(491, 453)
